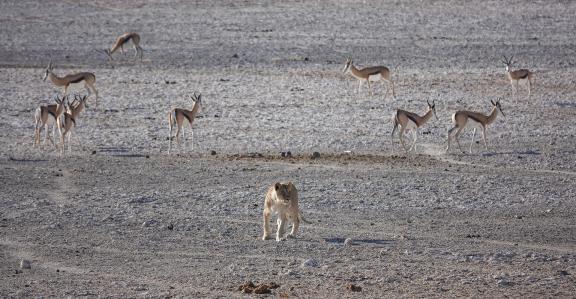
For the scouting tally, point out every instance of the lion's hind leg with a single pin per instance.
(295, 225)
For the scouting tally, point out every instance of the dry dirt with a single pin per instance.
(118, 217)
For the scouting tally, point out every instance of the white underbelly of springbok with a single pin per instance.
(374, 78)
(410, 125)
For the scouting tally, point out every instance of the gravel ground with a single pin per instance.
(119, 217)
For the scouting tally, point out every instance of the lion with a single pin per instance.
(282, 198)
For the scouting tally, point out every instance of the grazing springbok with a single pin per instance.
(43, 115)
(177, 116)
(67, 122)
(88, 78)
(411, 121)
(123, 40)
(461, 118)
(517, 75)
(374, 73)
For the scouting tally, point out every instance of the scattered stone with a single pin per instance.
(264, 288)
(148, 223)
(518, 216)
(25, 264)
(503, 282)
(170, 226)
(213, 153)
(312, 263)
(235, 55)
(354, 288)
(93, 152)
(563, 272)
(147, 156)
(315, 155)
(247, 287)
(348, 242)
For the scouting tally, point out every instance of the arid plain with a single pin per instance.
(119, 217)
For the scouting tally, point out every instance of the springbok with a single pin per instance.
(88, 78)
(177, 116)
(374, 73)
(42, 117)
(67, 122)
(411, 121)
(123, 40)
(460, 119)
(517, 75)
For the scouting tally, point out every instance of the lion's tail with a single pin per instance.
(302, 218)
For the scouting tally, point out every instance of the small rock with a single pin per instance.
(235, 55)
(315, 155)
(170, 226)
(262, 289)
(310, 263)
(213, 153)
(148, 223)
(563, 272)
(503, 283)
(93, 152)
(354, 288)
(147, 156)
(348, 242)
(25, 264)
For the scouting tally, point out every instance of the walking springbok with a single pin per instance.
(88, 78)
(374, 73)
(177, 116)
(43, 115)
(460, 119)
(517, 75)
(67, 122)
(411, 121)
(123, 40)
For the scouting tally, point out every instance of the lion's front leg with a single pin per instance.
(266, 224)
(281, 227)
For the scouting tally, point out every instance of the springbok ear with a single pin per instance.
(276, 186)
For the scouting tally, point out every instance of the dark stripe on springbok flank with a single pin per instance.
(523, 77)
(412, 118)
(187, 117)
(476, 119)
(52, 113)
(78, 80)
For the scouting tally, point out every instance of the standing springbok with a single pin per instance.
(177, 116)
(123, 40)
(411, 121)
(43, 115)
(374, 73)
(88, 78)
(460, 119)
(67, 122)
(517, 75)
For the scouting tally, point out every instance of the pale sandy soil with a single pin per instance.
(495, 223)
